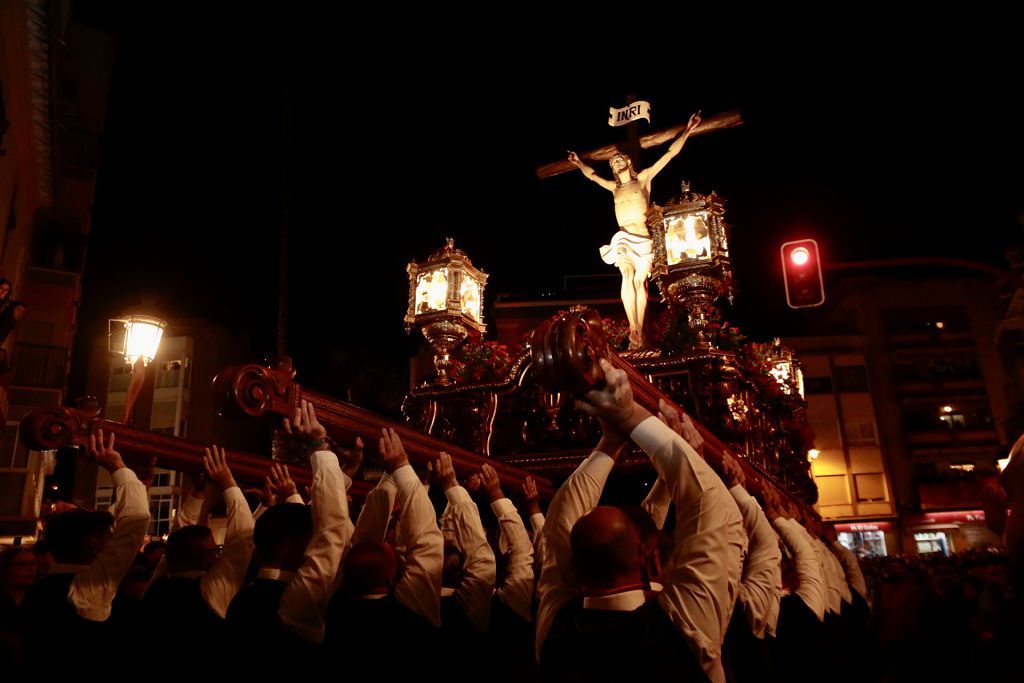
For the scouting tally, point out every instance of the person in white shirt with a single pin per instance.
(595, 618)
(532, 497)
(197, 581)
(467, 582)
(800, 631)
(390, 594)
(748, 655)
(67, 609)
(300, 549)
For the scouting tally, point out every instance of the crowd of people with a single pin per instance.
(710, 577)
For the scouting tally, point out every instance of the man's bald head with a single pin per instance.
(606, 549)
(370, 568)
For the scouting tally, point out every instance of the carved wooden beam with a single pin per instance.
(566, 354)
(256, 390)
(728, 119)
(71, 426)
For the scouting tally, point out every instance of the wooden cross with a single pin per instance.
(729, 119)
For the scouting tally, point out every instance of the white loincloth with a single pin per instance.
(626, 247)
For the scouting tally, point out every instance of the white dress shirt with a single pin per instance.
(293, 498)
(372, 524)
(702, 576)
(761, 585)
(657, 503)
(810, 581)
(536, 523)
(851, 567)
(222, 582)
(833, 595)
(304, 601)
(189, 513)
(422, 547)
(701, 579)
(461, 525)
(575, 498)
(838, 576)
(516, 590)
(95, 585)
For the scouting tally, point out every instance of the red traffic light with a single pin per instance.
(801, 273)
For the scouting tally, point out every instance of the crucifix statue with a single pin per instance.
(630, 249)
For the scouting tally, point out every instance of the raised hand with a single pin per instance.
(280, 482)
(474, 483)
(532, 495)
(492, 484)
(446, 471)
(732, 473)
(681, 425)
(392, 453)
(574, 159)
(693, 122)
(427, 475)
(305, 426)
(614, 401)
(264, 493)
(215, 463)
(103, 454)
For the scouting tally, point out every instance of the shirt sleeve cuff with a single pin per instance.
(295, 498)
(740, 495)
(599, 465)
(123, 476)
(503, 506)
(537, 519)
(405, 475)
(652, 434)
(324, 459)
(457, 494)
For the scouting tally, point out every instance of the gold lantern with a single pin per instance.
(691, 254)
(446, 302)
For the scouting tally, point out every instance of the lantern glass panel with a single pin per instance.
(687, 240)
(782, 372)
(142, 338)
(470, 297)
(432, 291)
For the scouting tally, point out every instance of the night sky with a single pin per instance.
(388, 149)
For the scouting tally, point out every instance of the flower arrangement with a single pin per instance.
(481, 361)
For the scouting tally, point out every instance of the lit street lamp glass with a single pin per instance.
(141, 337)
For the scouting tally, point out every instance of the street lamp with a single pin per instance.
(445, 301)
(135, 339)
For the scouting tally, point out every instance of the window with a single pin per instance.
(817, 385)
(832, 490)
(169, 374)
(870, 487)
(161, 507)
(933, 542)
(850, 378)
(14, 471)
(861, 433)
(864, 543)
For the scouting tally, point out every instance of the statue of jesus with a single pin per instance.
(630, 249)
